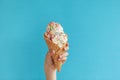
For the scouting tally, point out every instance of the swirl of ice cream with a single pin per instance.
(56, 34)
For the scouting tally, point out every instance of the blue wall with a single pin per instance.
(94, 36)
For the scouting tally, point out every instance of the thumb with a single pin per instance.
(51, 52)
(50, 59)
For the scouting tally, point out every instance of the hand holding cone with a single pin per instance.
(56, 40)
(58, 51)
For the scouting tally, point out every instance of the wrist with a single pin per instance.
(51, 75)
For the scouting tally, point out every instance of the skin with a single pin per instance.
(49, 67)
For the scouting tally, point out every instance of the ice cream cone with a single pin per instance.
(58, 51)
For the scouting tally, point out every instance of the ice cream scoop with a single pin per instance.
(56, 34)
(56, 40)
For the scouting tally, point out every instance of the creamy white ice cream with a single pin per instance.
(56, 34)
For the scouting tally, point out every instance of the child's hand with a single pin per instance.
(49, 67)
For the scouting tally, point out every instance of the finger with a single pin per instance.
(62, 59)
(64, 55)
(49, 57)
(50, 63)
(66, 48)
(49, 60)
(52, 52)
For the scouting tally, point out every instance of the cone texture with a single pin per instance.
(58, 51)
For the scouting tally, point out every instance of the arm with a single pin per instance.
(50, 70)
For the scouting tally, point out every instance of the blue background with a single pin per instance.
(93, 27)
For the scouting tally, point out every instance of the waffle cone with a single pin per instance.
(58, 51)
